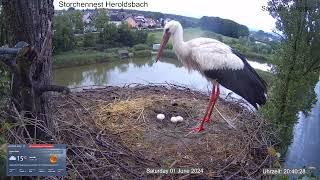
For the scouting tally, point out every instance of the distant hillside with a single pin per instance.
(184, 20)
(264, 36)
(225, 27)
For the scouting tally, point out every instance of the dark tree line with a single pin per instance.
(223, 26)
(184, 20)
(108, 35)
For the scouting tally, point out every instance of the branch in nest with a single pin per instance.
(54, 88)
(7, 56)
(12, 51)
(21, 50)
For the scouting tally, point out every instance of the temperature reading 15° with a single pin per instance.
(21, 158)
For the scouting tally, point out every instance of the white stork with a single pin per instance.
(219, 63)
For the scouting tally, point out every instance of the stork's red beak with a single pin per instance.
(163, 44)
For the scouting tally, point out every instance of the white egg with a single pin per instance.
(179, 118)
(278, 155)
(174, 119)
(161, 116)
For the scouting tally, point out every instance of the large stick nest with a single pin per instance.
(113, 132)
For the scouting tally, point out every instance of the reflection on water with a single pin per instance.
(133, 71)
(260, 66)
(143, 70)
(305, 148)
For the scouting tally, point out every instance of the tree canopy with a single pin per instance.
(297, 63)
(223, 26)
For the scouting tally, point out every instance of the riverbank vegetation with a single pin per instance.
(297, 65)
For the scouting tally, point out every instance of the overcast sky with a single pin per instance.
(247, 12)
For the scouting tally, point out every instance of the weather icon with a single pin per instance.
(53, 158)
(12, 158)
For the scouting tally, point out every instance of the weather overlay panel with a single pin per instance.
(36, 160)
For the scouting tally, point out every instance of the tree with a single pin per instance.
(3, 31)
(89, 40)
(30, 21)
(75, 18)
(157, 15)
(64, 38)
(101, 19)
(151, 39)
(140, 36)
(109, 35)
(223, 26)
(296, 64)
(126, 35)
(4, 74)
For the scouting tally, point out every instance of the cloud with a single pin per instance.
(12, 158)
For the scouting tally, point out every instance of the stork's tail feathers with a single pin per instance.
(245, 82)
(256, 87)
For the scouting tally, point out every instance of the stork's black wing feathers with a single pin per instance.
(245, 82)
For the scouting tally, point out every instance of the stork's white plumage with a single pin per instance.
(219, 63)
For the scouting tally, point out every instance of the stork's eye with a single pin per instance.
(167, 30)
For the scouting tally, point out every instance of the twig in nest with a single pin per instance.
(230, 124)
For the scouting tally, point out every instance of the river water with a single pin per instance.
(304, 151)
(305, 148)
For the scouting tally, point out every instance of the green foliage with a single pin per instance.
(101, 19)
(219, 38)
(151, 39)
(142, 53)
(4, 74)
(4, 85)
(64, 38)
(296, 63)
(140, 36)
(223, 26)
(77, 58)
(243, 31)
(169, 54)
(129, 37)
(76, 20)
(157, 15)
(267, 76)
(264, 36)
(109, 35)
(139, 47)
(89, 40)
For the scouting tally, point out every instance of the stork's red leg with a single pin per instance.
(214, 96)
(214, 99)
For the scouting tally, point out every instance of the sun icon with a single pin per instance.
(53, 158)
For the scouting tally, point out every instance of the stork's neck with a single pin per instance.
(178, 44)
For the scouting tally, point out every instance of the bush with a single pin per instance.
(109, 35)
(89, 40)
(142, 53)
(139, 47)
(151, 39)
(220, 38)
